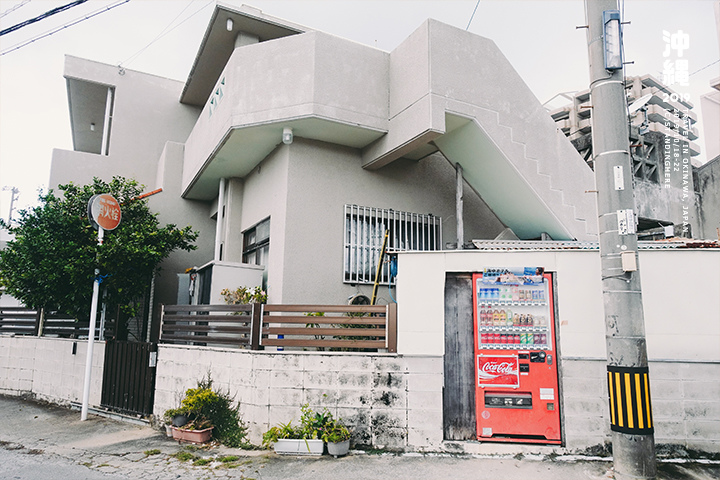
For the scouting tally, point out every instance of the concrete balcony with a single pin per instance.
(324, 88)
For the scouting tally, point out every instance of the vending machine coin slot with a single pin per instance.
(508, 400)
(537, 357)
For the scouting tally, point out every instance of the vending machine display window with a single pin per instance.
(516, 368)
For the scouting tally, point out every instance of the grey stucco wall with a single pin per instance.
(146, 114)
(326, 177)
(172, 209)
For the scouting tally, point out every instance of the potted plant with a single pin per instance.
(304, 439)
(337, 437)
(173, 417)
(204, 413)
(190, 422)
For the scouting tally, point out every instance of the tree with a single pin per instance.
(51, 262)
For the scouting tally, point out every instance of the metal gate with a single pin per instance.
(129, 377)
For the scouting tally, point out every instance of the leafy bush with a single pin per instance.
(207, 407)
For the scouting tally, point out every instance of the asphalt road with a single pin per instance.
(47, 442)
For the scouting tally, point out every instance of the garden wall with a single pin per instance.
(391, 401)
(685, 403)
(47, 369)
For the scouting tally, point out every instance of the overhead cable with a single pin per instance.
(164, 32)
(12, 9)
(41, 17)
(473, 15)
(62, 27)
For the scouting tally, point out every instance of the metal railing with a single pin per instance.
(256, 326)
(365, 228)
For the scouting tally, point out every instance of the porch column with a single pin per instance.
(219, 224)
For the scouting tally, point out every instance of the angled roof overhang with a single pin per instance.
(219, 43)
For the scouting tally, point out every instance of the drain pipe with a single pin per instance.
(459, 206)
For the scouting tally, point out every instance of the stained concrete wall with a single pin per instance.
(46, 369)
(390, 401)
(685, 403)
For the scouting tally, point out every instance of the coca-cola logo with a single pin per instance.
(499, 368)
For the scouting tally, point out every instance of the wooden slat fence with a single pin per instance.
(25, 321)
(323, 327)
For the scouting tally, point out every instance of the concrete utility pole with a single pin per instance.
(627, 365)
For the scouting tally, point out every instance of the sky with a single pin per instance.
(161, 37)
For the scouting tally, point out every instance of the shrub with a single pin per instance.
(244, 295)
(207, 407)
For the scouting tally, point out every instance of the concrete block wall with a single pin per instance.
(46, 368)
(390, 401)
(685, 403)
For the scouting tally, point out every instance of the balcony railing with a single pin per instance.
(296, 327)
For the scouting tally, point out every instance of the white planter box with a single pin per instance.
(288, 446)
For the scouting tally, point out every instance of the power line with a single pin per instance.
(12, 9)
(41, 17)
(164, 32)
(62, 27)
(473, 14)
(706, 66)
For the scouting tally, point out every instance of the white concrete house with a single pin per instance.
(291, 151)
(372, 143)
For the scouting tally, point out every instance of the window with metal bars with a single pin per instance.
(365, 228)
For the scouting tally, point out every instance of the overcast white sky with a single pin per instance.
(538, 37)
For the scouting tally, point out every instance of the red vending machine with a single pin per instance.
(516, 380)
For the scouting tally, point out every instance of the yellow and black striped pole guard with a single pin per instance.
(630, 408)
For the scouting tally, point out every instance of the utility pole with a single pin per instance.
(627, 364)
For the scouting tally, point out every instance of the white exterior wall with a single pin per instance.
(46, 369)
(390, 401)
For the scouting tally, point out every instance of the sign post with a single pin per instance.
(104, 214)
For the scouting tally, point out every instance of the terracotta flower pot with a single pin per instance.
(192, 436)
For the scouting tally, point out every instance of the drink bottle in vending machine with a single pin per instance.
(516, 377)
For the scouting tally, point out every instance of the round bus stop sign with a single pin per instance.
(104, 211)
